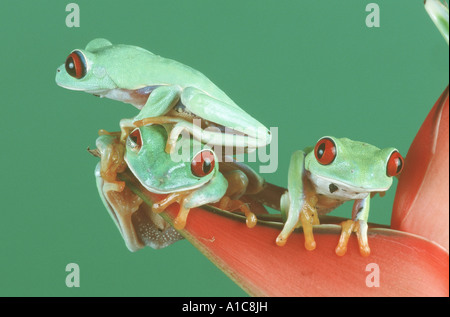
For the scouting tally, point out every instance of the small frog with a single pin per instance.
(166, 91)
(191, 182)
(334, 171)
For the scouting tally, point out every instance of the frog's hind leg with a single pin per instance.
(227, 114)
(178, 197)
(232, 205)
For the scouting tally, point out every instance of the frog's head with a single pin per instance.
(107, 70)
(85, 69)
(349, 169)
(165, 173)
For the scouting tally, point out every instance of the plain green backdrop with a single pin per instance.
(310, 68)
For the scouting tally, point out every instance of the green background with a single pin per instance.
(310, 68)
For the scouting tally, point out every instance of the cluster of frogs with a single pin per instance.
(170, 96)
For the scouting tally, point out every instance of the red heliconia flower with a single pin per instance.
(421, 203)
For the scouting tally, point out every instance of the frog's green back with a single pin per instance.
(132, 67)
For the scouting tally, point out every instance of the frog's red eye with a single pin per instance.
(203, 163)
(325, 151)
(394, 164)
(76, 65)
(135, 140)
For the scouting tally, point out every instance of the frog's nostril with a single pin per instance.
(58, 70)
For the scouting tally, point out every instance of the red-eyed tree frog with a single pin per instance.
(334, 171)
(192, 180)
(166, 91)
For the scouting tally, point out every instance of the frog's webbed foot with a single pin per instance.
(226, 203)
(360, 228)
(112, 158)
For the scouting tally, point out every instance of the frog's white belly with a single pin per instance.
(332, 188)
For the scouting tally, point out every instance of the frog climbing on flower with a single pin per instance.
(192, 181)
(334, 171)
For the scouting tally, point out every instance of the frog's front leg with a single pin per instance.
(211, 193)
(298, 203)
(357, 224)
(178, 197)
(160, 101)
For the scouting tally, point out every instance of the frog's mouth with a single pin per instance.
(137, 223)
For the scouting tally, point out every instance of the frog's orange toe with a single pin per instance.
(251, 220)
(156, 207)
(120, 186)
(179, 224)
(308, 220)
(310, 244)
(231, 205)
(341, 250)
(364, 250)
(348, 227)
(281, 241)
(180, 221)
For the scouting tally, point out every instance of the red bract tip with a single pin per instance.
(421, 203)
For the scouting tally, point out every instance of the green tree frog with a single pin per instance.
(334, 171)
(166, 91)
(192, 180)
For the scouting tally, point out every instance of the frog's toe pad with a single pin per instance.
(341, 250)
(310, 244)
(281, 240)
(179, 223)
